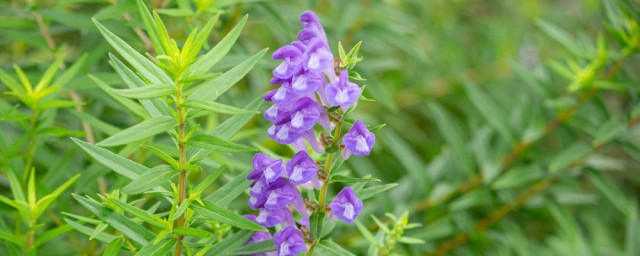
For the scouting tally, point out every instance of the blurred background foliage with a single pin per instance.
(511, 125)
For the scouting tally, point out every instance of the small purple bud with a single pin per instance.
(289, 241)
(342, 92)
(312, 28)
(359, 140)
(301, 168)
(346, 205)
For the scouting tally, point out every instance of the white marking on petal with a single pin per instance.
(262, 217)
(280, 94)
(298, 120)
(342, 96)
(349, 212)
(269, 173)
(297, 173)
(272, 111)
(281, 69)
(361, 144)
(253, 200)
(314, 61)
(284, 249)
(273, 199)
(283, 134)
(300, 83)
(271, 130)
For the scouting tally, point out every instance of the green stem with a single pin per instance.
(327, 169)
(182, 183)
(31, 144)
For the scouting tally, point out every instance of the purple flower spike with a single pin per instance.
(289, 241)
(359, 140)
(307, 82)
(301, 168)
(283, 133)
(266, 168)
(304, 114)
(342, 92)
(346, 205)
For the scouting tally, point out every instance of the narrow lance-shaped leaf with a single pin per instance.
(217, 144)
(217, 213)
(140, 131)
(161, 248)
(150, 71)
(150, 179)
(146, 92)
(119, 164)
(212, 89)
(206, 62)
(132, 230)
(141, 214)
(127, 103)
(216, 107)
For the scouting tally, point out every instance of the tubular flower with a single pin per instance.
(310, 92)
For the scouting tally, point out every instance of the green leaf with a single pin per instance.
(217, 213)
(146, 68)
(255, 248)
(219, 108)
(495, 116)
(191, 232)
(140, 131)
(229, 127)
(150, 179)
(214, 143)
(331, 248)
(70, 72)
(351, 180)
(410, 240)
(212, 89)
(155, 107)
(209, 179)
(570, 155)
(146, 92)
(608, 131)
(11, 238)
(46, 78)
(366, 233)
(103, 237)
(60, 104)
(316, 222)
(119, 164)
(139, 213)
(369, 192)
(44, 202)
(234, 188)
(611, 191)
(113, 249)
(161, 248)
(164, 156)
(127, 103)
(452, 135)
(211, 58)
(150, 26)
(560, 36)
(127, 227)
(230, 243)
(95, 122)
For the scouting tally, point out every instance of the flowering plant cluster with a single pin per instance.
(314, 89)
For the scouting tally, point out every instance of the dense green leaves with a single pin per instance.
(211, 211)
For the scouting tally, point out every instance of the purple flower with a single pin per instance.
(283, 133)
(281, 194)
(289, 241)
(317, 57)
(342, 92)
(346, 205)
(285, 94)
(307, 82)
(312, 28)
(305, 114)
(292, 56)
(270, 218)
(265, 168)
(259, 236)
(301, 168)
(359, 140)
